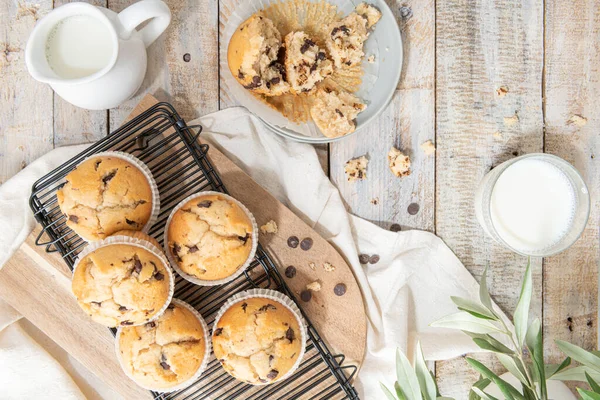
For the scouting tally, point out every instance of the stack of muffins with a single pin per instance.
(123, 279)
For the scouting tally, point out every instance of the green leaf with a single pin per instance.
(387, 392)
(534, 343)
(578, 354)
(426, 381)
(399, 391)
(508, 390)
(481, 384)
(466, 322)
(487, 342)
(593, 384)
(473, 308)
(552, 369)
(588, 395)
(484, 295)
(511, 365)
(576, 374)
(483, 394)
(407, 379)
(521, 315)
(444, 398)
(528, 393)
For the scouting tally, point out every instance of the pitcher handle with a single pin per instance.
(141, 11)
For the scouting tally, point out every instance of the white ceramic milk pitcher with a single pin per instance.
(93, 57)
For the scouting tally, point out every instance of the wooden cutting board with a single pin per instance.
(38, 284)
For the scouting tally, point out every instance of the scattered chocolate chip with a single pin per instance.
(306, 45)
(218, 331)
(413, 208)
(205, 204)
(74, 218)
(290, 272)
(244, 238)
(515, 153)
(306, 295)
(261, 380)
(187, 57)
(267, 307)
(137, 265)
(395, 228)
(164, 365)
(272, 374)
(363, 258)
(344, 29)
(320, 56)
(289, 335)
(159, 276)
(122, 308)
(338, 112)
(130, 222)
(256, 79)
(108, 177)
(293, 241)
(313, 67)
(241, 74)
(275, 80)
(306, 244)
(348, 62)
(374, 259)
(125, 323)
(339, 289)
(193, 249)
(244, 306)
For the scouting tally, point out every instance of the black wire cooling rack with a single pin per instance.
(162, 140)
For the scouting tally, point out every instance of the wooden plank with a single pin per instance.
(74, 125)
(572, 92)
(480, 47)
(25, 104)
(406, 123)
(192, 87)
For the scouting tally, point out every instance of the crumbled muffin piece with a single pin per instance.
(399, 163)
(356, 169)
(346, 39)
(328, 267)
(371, 59)
(375, 201)
(334, 112)
(509, 121)
(269, 227)
(121, 284)
(577, 120)
(312, 266)
(255, 57)
(368, 12)
(257, 340)
(210, 237)
(314, 286)
(502, 91)
(305, 63)
(428, 147)
(163, 353)
(104, 195)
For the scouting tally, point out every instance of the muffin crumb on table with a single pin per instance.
(269, 227)
(399, 163)
(356, 169)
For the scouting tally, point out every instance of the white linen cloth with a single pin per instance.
(409, 287)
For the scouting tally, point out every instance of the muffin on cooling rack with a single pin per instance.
(122, 281)
(107, 193)
(167, 354)
(258, 336)
(210, 238)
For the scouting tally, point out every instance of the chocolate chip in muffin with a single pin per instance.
(320, 56)
(293, 241)
(272, 374)
(267, 307)
(363, 258)
(339, 289)
(218, 331)
(137, 265)
(96, 303)
(290, 272)
(74, 218)
(205, 204)
(122, 308)
(338, 112)
(307, 45)
(306, 295)
(125, 323)
(130, 222)
(159, 276)
(244, 306)
(244, 239)
(193, 249)
(306, 244)
(164, 365)
(151, 324)
(109, 176)
(241, 74)
(289, 335)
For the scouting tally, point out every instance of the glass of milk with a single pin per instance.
(536, 204)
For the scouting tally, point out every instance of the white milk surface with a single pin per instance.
(79, 46)
(532, 205)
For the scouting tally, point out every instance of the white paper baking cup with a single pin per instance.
(144, 244)
(193, 378)
(195, 279)
(147, 173)
(281, 299)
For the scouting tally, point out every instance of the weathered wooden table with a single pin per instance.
(485, 80)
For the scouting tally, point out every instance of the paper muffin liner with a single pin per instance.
(281, 299)
(144, 244)
(312, 16)
(147, 174)
(194, 279)
(197, 374)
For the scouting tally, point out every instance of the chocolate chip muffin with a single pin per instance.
(122, 284)
(305, 63)
(258, 340)
(255, 57)
(106, 194)
(370, 13)
(165, 353)
(334, 112)
(210, 237)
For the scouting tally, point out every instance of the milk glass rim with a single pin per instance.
(560, 247)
